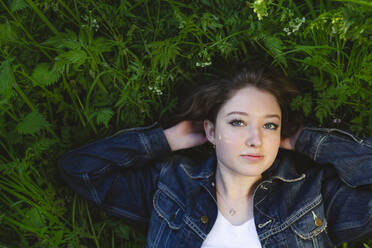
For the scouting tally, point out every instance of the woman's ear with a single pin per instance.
(209, 131)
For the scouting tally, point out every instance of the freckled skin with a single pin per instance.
(254, 131)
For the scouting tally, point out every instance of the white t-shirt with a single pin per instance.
(226, 235)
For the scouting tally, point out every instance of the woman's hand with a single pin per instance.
(185, 134)
(290, 142)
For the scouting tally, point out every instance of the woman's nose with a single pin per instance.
(254, 138)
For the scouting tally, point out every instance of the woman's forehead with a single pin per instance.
(251, 100)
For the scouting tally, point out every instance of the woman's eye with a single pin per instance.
(271, 126)
(237, 123)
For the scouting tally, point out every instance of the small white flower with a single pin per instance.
(203, 64)
(287, 31)
(336, 120)
(294, 25)
(155, 90)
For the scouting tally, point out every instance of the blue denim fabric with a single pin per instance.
(298, 203)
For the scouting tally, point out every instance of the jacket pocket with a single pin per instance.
(311, 223)
(168, 209)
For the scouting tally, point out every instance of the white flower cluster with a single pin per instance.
(203, 64)
(95, 25)
(337, 120)
(260, 8)
(155, 89)
(158, 83)
(294, 25)
(91, 22)
(206, 59)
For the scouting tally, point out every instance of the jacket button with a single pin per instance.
(318, 222)
(204, 219)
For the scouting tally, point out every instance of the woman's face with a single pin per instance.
(246, 132)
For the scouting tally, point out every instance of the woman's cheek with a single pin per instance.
(230, 138)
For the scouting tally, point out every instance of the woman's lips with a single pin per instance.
(253, 157)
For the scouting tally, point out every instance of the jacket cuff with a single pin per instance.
(152, 138)
(155, 142)
(308, 141)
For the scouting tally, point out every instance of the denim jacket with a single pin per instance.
(298, 202)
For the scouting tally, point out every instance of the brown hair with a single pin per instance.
(207, 100)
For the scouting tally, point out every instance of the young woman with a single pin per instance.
(249, 193)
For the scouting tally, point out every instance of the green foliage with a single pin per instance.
(74, 71)
(16, 5)
(7, 80)
(164, 52)
(7, 33)
(44, 75)
(32, 123)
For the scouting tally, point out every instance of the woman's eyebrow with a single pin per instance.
(237, 112)
(246, 114)
(273, 116)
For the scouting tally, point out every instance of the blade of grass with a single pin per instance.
(91, 226)
(365, 3)
(42, 16)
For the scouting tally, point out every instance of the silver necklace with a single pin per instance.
(231, 211)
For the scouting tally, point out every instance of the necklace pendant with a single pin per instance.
(232, 212)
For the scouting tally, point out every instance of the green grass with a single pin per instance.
(74, 71)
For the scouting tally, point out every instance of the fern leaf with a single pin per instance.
(33, 218)
(164, 52)
(104, 116)
(16, 5)
(307, 104)
(44, 76)
(32, 123)
(66, 39)
(42, 145)
(101, 45)
(274, 45)
(75, 57)
(209, 20)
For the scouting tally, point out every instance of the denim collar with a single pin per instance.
(283, 168)
(202, 170)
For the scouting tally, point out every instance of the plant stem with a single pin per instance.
(73, 100)
(42, 16)
(92, 227)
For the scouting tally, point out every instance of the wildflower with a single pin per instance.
(203, 64)
(337, 121)
(260, 8)
(155, 89)
(94, 24)
(90, 22)
(339, 26)
(205, 57)
(294, 25)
